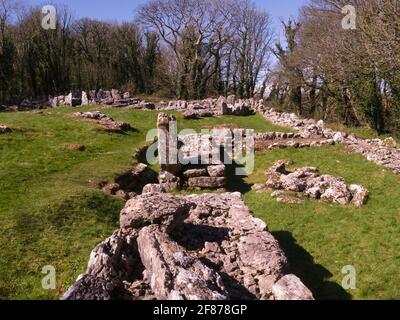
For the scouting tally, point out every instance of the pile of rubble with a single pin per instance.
(282, 140)
(4, 129)
(382, 152)
(308, 182)
(105, 121)
(197, 247)
(191, 109)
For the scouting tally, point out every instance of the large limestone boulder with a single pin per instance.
(164, 210)
(173, 273)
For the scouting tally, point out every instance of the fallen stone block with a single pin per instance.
(207, 182)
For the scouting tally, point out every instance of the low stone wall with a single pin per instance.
(212, 107)
(111, 98)
(382, 152)
(201, 247)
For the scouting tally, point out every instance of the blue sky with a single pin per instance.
(123, 10)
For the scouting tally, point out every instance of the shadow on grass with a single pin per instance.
(235, 183)
(313, 275)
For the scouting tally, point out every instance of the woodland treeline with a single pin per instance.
(191, 49)
(351, 76)
(172, 48)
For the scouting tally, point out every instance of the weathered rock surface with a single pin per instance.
(206, 246)
(199, 169)
(174, 274)
(116, 259)
(153, 188)
(164, 210)
(360, 195)
(290, 287)
(210, 107)
(169, 181)
(308, 182)
(89, 287)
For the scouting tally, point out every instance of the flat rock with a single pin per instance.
(207, 182)
(161, 209)
(290, 287)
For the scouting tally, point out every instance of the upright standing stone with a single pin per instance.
(68, 99)
(168, 143)
(85, 99)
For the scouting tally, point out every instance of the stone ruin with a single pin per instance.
(283, 140)
(308, 182)
(112, 98)
(381, 152)
(104, 121)
(197, 247)
(205, 157)
(211, 107)
(195, 148)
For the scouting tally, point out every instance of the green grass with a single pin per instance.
(320, 238)
(362, 132)
(53, 214)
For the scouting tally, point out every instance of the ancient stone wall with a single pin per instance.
(201, 247)
(381, 152)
